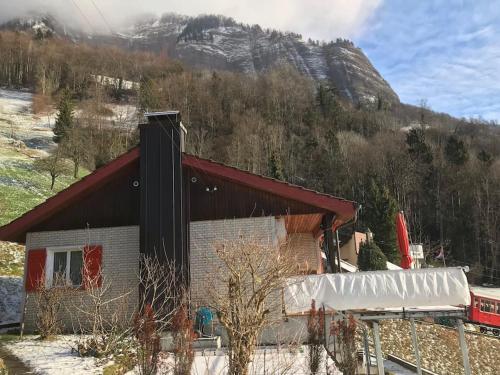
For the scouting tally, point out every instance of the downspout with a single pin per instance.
(352, 221)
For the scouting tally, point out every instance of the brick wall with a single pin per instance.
(205, 235)
(120, 267)
(307, 251)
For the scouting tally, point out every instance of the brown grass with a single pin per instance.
(41, 103)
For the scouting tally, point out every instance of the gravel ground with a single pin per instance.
(439, 348)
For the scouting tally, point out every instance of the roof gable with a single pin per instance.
(16, 230)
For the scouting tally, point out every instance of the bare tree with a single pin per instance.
(75, 147)
(53, 164)
(245, 293)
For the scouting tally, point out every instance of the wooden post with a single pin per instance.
(326, 224)
(414, 339)
(463, 346)
(367, 350)
(378, 349)
(338, 250)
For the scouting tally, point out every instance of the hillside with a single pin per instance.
(281, 123)
(219, 43)
(24, 137)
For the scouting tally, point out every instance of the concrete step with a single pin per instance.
(167, 342)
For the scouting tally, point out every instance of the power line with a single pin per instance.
(83, 15)
(102, 16)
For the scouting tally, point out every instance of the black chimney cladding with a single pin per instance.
(162, 222)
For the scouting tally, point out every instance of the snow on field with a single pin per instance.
(53, 357)
(18, 122)
(56, 358)
(268, 360)
(10, 299)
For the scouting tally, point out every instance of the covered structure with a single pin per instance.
(379, 295)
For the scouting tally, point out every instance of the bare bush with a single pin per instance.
(315, 330)
(183, 334)
(160, 296)
(49, 303)
(345, 332)
(248, 276)
(104, 320)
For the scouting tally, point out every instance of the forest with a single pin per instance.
(443, 172)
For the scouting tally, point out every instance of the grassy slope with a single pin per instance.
(21, 189)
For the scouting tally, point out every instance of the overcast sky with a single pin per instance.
(444, 51)
(319, 19)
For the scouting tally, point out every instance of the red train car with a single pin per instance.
(485, 309)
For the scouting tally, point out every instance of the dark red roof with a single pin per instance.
(344, 209)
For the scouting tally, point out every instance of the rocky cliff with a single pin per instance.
(216, 42)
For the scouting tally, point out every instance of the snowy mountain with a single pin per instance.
(216, 42)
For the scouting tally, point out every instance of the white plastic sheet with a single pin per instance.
(379, 290)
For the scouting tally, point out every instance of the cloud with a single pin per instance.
(318, 19)
(445, 52)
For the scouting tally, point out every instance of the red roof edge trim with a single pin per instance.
(345, 210)
(65, 197)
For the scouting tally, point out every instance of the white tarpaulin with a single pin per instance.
(379, 290)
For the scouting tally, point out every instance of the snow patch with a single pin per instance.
(53, 357)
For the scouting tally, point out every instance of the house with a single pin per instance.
(157, 200)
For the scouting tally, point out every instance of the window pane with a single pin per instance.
(59, 275)
(75, 268)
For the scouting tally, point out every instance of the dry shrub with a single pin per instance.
(160, 295)
(103, 318)
(49, 302)
(315, 330)
(248, 276)
(148, 337)
(183, 334)
(41, 103)
(3, 368)
(345, 332)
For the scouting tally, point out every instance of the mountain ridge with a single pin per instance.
(220, 43)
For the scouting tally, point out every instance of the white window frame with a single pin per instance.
(49, 263)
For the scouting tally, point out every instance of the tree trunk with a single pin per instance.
(75, 169)
(53, 178)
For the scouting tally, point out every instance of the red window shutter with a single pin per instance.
(36, 269)
(92, 258)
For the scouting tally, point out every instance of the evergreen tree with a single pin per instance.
(275, 166)
(418, 148)
(371, 258)
(380, 211)
(485, 157)
(148, 101)
(456, 151)
(65, 117)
